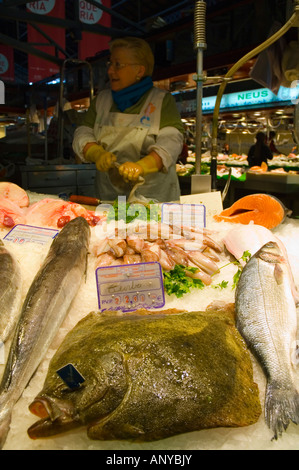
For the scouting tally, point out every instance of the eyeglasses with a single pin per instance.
(117, 65)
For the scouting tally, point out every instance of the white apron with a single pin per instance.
(124, 135)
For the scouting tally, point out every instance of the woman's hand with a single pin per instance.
(96, 153)
(131, 171)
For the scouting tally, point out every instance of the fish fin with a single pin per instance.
(295, 355)
(278, 274)
(5, 420)
(281, 407)
(86, 265)
(296, 296)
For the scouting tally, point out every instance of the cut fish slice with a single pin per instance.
(57, 213)
(261, 209)
(10, 213)
(14, 193)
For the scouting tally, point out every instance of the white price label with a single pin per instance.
(184, 215)
(131, 286)
(21, 234)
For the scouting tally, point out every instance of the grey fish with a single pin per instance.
(266, 318)
(148, 376)
(10, 292)
(45, 307)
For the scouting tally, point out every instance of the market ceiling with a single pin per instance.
(233, 27)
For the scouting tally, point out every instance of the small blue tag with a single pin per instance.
(71, 376)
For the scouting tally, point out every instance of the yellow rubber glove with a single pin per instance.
(131, 171)
(104, 160)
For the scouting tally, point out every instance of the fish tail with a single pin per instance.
(281, 407)
(5, 420)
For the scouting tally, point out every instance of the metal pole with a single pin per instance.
(199, 183)
(200, 45)
(199, 96)
(292, 22)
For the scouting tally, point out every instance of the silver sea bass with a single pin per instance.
(266, 318)
(10, 292)
(45, 307)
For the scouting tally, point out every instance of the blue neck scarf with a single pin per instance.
(129, 96)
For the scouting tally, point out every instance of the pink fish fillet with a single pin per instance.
(14, 193)
(10, 213)
(56, 213)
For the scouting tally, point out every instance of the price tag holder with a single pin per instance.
(21, 234)
(184, 215)
(131, 286)
(71, 376)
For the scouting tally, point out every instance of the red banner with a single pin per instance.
(38, 68)
(91, 43)
(7, 68)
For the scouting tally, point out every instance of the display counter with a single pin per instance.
(59, 179)
(283, 186)
(256, 436)
(30, 253)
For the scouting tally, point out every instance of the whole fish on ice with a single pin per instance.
(266, 318)
(45, 307)
(251, 238)
(148, 375)
(10, 292)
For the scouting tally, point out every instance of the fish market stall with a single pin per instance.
(218, 287)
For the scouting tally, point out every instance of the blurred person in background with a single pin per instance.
(259, 152)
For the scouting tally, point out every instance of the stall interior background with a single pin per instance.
(32, 122)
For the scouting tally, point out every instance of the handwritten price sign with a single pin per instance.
(129, 287)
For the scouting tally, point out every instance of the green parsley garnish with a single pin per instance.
(177, 282)
(148, 212)
(245, 257)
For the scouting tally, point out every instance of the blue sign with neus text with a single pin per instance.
(254, 97)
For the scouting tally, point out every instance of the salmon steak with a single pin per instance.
(261, 209)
